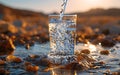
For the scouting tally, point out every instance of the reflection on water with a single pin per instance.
(37, 49)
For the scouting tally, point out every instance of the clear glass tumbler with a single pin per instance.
(62, 35)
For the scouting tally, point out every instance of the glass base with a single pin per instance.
(62, 60)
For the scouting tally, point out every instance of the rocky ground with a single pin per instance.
(24, 28)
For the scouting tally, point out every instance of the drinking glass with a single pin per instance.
(62, 35)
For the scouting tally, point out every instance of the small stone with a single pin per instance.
(85, 51)
(7, 27)
(115, 73)
(6, 45)
(27, 46)
(107, 43)
(80, 57)
(102, 62)
(27, 63)
(31, 68)
(75, 66)
(35, 68)
(34, 56)
(10, 58)
(17, 60)
(4, 72)
(117, 38)
(2, 62)
(85, 57)
(43, 62)
(104, 52)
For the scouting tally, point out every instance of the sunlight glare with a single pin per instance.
(92, 47)
(75, 73)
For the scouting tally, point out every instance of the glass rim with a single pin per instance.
(63, 15)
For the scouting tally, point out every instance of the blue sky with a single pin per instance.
(49, 6)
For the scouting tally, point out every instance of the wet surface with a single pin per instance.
(105, 64)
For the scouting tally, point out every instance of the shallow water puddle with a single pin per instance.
(105, 64)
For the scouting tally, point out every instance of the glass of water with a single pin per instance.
(62, 35)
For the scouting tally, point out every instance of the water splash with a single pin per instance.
(62, 40)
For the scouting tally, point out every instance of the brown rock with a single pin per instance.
(85, 57)
(32, 56)
(43, 62)
(104, 52)
(85, 51)
(31, 68)
(10, 58)
(6, 27)
(117, 38)
(6, 45)
(27, 63)
(75, 66)
(2, 62)
(115, 73)
(4, 72)
(102, 62)
(107, 43)
(15, 59)
(35, 68)
(80, 58)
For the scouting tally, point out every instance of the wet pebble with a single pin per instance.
(115, 73)
(4, 72)
(85, 51)
(2, 62)
(107, 43)
(17, 60)
(31, 68)
(6, 45)
(75, 66)
(104, 52)
(27, 63)
(12, 58)
(27, 46)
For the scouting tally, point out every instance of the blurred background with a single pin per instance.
(26, 21)
(24, 37)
